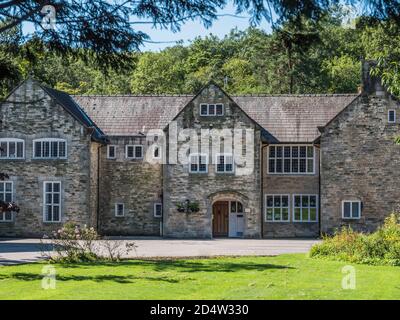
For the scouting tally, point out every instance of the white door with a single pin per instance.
(232, 225)
(240, 225)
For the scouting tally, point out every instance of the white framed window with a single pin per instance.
(291, 159)
(158, 210)
(351, 209)
(119, 209)
(134, 151)
(305, 208)
(198, 163)
(12, 148)
(391, 116)
(52, 201)
(211, 109)
(6, 195)
(111, 151)
(50, 148)
(277, 208)
(224, 163)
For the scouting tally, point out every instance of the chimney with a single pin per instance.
(371, 85)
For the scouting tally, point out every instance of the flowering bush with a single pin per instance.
(73, 243)
(380, 247)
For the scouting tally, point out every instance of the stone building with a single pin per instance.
(203, 166)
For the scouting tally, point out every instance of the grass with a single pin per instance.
(292, 276)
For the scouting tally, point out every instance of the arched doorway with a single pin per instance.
(228, 213)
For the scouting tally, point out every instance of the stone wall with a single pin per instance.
(290, 185)
(360, 161)
(206, 188)
(94, 183)
(137, 183)
(29, 113)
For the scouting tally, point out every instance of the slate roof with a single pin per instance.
(73, 108)
(123, 115)
(288, 118)
(294, 118)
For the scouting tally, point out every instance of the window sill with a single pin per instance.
(49, 159)
(305, 221)
(292, 174)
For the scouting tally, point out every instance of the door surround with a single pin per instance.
(226, 196)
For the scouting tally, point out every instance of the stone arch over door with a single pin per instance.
(219, 203)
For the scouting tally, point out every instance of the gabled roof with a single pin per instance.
(68, 104)
(284, 118)
(76, 111)
(287, 118)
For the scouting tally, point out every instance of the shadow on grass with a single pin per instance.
(141, 266)
(25, 276)
(209, 265)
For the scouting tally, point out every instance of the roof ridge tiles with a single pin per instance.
(132, 95)
(233, 95)
(297, 95)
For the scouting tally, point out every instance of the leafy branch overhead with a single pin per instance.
(108, 29)
(103, 29)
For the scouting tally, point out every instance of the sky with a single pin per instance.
(163, 38)
(193, 29)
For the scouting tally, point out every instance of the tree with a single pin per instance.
(105, 28)
(162, 72)
(381, 42)
(344, 74)
(102, 29)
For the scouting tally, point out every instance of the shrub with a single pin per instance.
(380, 247)
(74, 244)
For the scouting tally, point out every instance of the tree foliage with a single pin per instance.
(316, 57)
(101, 30)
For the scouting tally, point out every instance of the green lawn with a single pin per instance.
(291, 276)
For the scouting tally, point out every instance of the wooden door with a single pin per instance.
(220, 219)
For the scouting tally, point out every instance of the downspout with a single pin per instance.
(98, 188)
(162, 196)
(319, 191)
(262, 189)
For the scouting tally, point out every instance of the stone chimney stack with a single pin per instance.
(370, 85)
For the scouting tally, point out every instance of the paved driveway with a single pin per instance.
(28, 250)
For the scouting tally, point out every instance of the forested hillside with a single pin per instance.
(317, 58)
